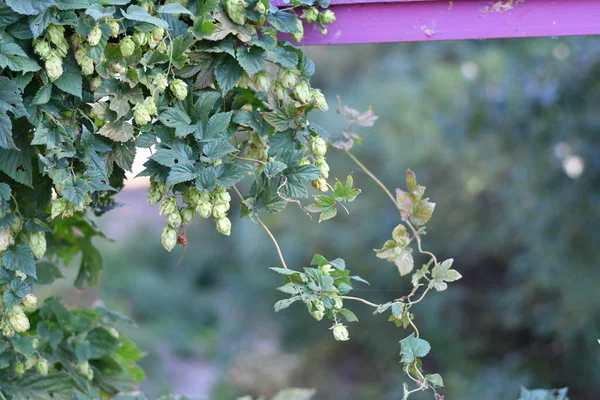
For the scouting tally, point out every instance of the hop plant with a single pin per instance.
(160, 81)
(204, 209)
(169, 238)
(299, 35)
(17, 224)
(323, 167)
(340, 332)
(224, 226)
(220, 210)
(6, 239)
(37, 243)
(42, 48)
(318, 146)
(192, 196)
(85, 369)
(94, 36)
(7, 329)
(158, 33)
(55, 33)
(328, 17)
(168, 206)
(30, 301)
(95, 83)
(289, 78)
(174, 219)
(114, 28)
(320, 184)
(142, 112)
(187, 215)
(236, 10)
(42, 366)
(319, 100)
(279, 91)
(140, 38)
(19, 368)
(87, 66)
(179, 89)
(302, 92)
(54, 67)
(17, 319)
(262, 81)
(311, 15)
(127, 46)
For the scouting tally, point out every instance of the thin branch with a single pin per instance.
(418, 237)
(361, 300)
(372, 176)
(283, 263)
(248, 159)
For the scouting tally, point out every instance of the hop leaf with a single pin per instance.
(441, 274)
(412, 348)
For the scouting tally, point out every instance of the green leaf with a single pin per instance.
(252, 59)
(230, 174)
(217, 125)
(14, 58)
(413, 348)
(96, 11)
(435, 380)
(17, 164)
(5, 191)
(47, 272)
(285, 271)
(345, 192)
(286, 58)
(173, 8)
(278, 121)
(70, 81)
(227, 73)
(176, 153)
(119, 130)
(91, 265)
(178, 119)
(274, 168)
(39, 23)
(349, 315)
(295, 394)
(319, 260)
(215, 149)
(207, 179)
(422, 212)
(285, 303)
(21, 258)
(43, 95)
(442, 273)
(75, 191)
(30, 7)
(137, 13)
(54, 386)
(405, 261)
(294, 184)
(338, 263)
(181, 173)
(283, 21)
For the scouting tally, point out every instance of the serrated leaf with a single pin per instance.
(348, 315)
(274, 168)
(422, 212)
(96, 11)
(285, 303)
(176, 153)
(216, 149)
(230, 174)
(173, 8)
(283, 21)
(435, 380)
(137, 13)
(178, 119)
(413, 348)
(70, 81)
(227, 73)
(217, 125)
(20, 257)
(119, 131)
(75, 191)
(30, 7)
(43, 95)
(338, 263)
(251, 59)
(181, 173)
(47, 272)
(345, 192)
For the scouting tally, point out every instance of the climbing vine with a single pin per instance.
(219, 93)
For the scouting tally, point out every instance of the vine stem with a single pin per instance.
(277, 247)
(248, 159)
(367, 302)
(418, 237)
(372, 176)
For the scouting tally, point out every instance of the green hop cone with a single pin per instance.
(162, 47)
(298, 36)
(140, 38)
(87, 66)
(244, 81)
(154, 196)
(303, 161)
(316, 309)
(55, 33)
(191, 196)
(62, 49)
(20, 275)
(302, 92)
(113, 332)
(6, 239)
(35, 343)
(236, 10)
(127, 46)
(328, 17)
(340, 332)
(279, 91)
(168, 205)
(17, 225)
(41, 48)
(179, 89)
(174, 219)
(158, 33)
(187, 215)
(260, 7)
(30, 301)
(37, 244)
(54, 67)
(223, 196)
(262, 81)
(17, 319)
(318, 147)
(85, 369)
(323, 167)
(289, 78)
(114, 28)
(7, 329)
(141, 116)
(224, 226)
(339, 304)
(320, 184)
(326, 269)
(19, 368)
(204, 209)
(161, 82)
(169, 238)
(220, 210)
(80, 55)
(42, 367)
(94, 36)
(151, 42)
(319, 100)
(95, 83)
(58, 207)
(30, 362)
(311, 15)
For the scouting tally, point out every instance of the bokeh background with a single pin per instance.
(505, 135)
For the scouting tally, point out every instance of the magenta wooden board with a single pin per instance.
(368, 21)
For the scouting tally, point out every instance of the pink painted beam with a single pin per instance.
(366, 21)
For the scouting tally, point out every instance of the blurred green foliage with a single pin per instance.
(505, 135)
